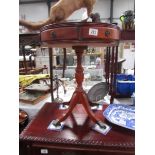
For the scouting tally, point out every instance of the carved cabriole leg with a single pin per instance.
(85, 102)
(72, 104)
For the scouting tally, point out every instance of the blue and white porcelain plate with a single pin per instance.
(122, 115)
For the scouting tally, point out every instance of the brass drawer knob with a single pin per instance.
(53, 35)
(107, 33)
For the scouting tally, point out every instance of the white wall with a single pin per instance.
(130, 59)
(120, 6)
(34, 12)
(101, 6)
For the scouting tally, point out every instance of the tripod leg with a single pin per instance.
(73, 102)
(84, 101)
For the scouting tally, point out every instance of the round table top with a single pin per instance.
(80, 34)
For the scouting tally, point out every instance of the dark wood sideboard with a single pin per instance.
(77, 137)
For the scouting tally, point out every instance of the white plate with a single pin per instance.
(122, 115)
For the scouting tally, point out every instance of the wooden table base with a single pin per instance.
(79, 96)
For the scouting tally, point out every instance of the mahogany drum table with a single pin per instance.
(77, 137)
(79, 36)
